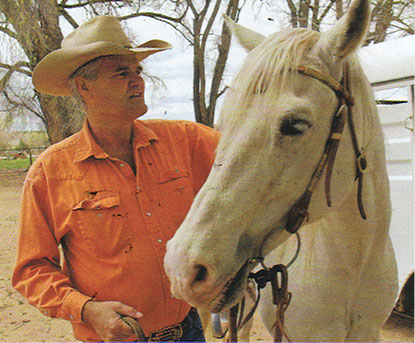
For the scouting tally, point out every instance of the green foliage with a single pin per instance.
(20, 163)
(23, 139)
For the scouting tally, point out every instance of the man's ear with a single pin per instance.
(82, 86)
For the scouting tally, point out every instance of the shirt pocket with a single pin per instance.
(103, 223)
(175, 197)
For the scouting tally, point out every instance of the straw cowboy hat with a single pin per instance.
(100, 36)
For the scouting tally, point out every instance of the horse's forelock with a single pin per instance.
(265, 68)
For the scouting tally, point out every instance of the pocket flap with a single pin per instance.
(173, 174)
(101, 200)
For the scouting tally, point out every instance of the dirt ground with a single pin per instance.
(22, 322)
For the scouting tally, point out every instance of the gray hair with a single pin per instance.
(89, 71)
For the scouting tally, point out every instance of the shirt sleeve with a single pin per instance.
(38, 274)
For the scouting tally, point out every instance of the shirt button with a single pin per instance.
(138, 188)
(148, 214)
(160, 240)
(99, 215)
(122, 165)
(71, 316)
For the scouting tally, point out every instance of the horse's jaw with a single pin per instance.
(202, 291)
(222, 294)
(208, 260)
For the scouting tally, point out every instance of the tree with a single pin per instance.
(32, 26)
(195, 21)
(388, 16)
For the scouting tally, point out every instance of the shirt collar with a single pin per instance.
(87, 146)
(143, 135)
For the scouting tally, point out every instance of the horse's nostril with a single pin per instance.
(201, 273)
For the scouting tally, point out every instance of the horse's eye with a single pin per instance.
(294, 127)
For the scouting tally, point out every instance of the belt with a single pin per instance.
(169, 333)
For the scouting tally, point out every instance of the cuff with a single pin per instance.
(73, 305)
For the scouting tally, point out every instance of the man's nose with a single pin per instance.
(136, 80)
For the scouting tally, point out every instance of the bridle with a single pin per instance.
(299, 211)
(278, 275)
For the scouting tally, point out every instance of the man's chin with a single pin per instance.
(137, 113)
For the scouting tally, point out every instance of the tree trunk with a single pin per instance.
(383, 17)
(220, 65)
(66, 118)
(36, 25)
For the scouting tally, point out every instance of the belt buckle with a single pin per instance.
(167, 334)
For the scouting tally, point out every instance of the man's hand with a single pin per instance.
(105, 318)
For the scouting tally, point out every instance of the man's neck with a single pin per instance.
(114, 137)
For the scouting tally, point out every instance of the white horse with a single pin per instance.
(275, 123)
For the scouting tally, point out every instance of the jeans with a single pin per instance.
(195, 332)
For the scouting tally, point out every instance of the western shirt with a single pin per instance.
(112, 224)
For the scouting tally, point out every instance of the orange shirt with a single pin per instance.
(113, 225)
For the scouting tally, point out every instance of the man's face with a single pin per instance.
(118, 92)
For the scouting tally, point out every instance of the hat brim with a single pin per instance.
(51, 75)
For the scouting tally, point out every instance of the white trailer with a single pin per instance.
(390, 68)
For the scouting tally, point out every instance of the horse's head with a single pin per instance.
(274, 123)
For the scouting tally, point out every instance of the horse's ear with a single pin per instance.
(349, 32)
(247, 38)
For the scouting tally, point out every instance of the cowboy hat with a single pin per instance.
(100, 36)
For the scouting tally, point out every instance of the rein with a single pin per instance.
(278, 275)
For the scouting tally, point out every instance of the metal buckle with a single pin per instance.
(362, 162)
(168, 334)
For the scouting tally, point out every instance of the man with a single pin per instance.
(112, 195)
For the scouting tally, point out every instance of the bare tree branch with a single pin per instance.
(68, 18)
(326, 10)
(164, 19)
(19, 70)
(90, 2)
(6, 77)
(22, 104)
(405, 27)
(192, 7)
(210, 23)
(293, 11)
(8, 32)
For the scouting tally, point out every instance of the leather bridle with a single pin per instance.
(278, 275)
(299, 211)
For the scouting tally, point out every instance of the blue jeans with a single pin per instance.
(195, 332)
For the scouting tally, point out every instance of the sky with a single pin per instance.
(175, 67)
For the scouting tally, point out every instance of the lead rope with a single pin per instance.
(278, 277)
